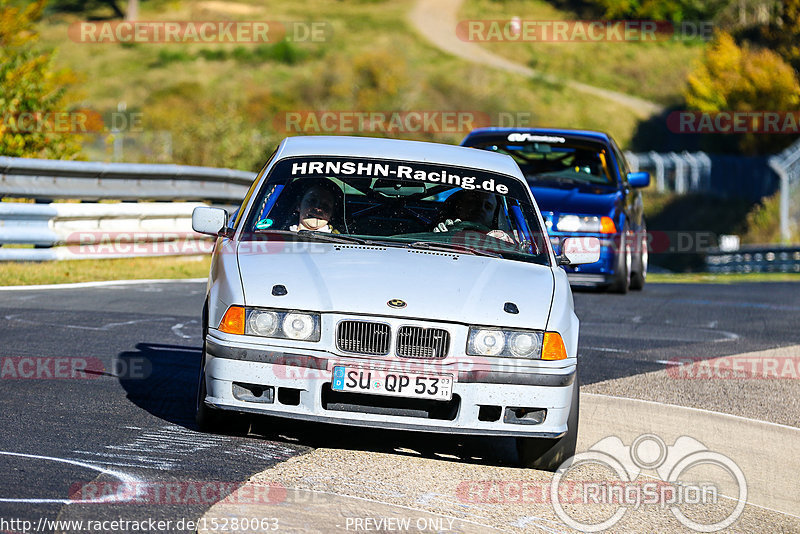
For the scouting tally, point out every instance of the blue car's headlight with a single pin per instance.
(586, 223)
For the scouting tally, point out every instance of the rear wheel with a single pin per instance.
(549, 454)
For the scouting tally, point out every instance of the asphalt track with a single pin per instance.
(129, 422)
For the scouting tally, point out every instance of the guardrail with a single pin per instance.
(754, 259)
(85, 231)
(88, 180)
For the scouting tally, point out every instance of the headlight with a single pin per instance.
(486, 342)
(524, 344)
(506, 343)
(298, 325)
(262, 322)
(588, 223)
(283, 324)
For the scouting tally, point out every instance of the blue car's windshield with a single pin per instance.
(554, 158)
(400, 204)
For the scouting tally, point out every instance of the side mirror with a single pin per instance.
(209, 221)
(639, 179)
(579, 251)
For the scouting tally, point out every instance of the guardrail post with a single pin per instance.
(775, 165)
(694, 171)
(680, 172)
(658, 162)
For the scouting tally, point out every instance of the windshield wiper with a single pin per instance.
(334, 238)
(452, 247)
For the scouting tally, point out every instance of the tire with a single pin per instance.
(622, 273)
(549, 454)
(639, 275)
(212, 420)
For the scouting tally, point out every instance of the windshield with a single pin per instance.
(554, 158)
(394, 203)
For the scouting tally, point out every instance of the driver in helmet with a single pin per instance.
(471, 210)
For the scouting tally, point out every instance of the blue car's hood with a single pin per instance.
(589, 200)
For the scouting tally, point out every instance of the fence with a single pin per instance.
(787, 166)
(750, 178)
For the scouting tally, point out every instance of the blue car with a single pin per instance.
(584, 187)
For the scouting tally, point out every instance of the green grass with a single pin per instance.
(652, 70)
(707, 278)
(61, 272)
(373, 61)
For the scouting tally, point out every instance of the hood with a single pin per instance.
(589, 200)
(362, 279)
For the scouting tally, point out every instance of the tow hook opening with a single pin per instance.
(253, 393)
(524, 416)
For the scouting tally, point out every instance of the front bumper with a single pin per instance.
(298, 382)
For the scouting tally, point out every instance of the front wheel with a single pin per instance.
(212, 420)
(640, 273)
(622, 272)
(549, 454)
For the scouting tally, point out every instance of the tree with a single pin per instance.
(730, 78)
(671, 10)
(29, 87)
(783, 34)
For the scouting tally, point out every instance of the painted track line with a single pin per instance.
(103, 283)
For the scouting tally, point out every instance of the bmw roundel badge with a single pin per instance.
(396, 303)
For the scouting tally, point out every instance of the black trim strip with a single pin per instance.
(518, 431)
(313, 362)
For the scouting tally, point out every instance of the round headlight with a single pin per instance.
(524, 344)
(262, 323)
(298, 325)
(489, 342)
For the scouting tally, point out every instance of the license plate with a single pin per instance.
(393, 383)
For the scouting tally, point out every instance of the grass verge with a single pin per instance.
(708, 278)
(61, 272)
(655, 70)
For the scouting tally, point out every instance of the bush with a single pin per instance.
(764, 221)
(730, 78)
(672, 10)
(30, 85)
(167, 56)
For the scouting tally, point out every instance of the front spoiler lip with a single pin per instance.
(532, 378)
(387, 425)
